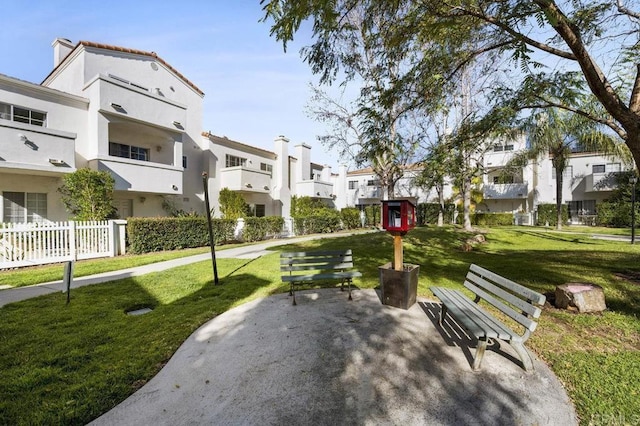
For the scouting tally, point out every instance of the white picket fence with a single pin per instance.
(29, 244)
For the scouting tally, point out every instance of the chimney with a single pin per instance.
(303, 167)
(61, 48)
(281, 191)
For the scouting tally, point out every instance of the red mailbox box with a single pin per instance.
(398, 215)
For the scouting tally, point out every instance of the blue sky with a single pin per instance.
(253, 90)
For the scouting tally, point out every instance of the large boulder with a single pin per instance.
(584, 297)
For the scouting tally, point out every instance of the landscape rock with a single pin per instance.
(584, 297)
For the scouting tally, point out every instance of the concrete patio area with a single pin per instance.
(329, 361)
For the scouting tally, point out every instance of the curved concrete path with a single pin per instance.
(328, 361)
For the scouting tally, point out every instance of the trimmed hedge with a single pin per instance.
(428, 213)
(350, 218)
(327, 222)
(493, 219)
(373, 215)
(172, 233)
(614, 214)
(258, 228)
(548, 213)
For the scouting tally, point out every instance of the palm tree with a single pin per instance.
(558, 133)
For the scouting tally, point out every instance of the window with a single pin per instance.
(128, 151)
(266, 167)
(233, 161)
(498, 148)
(598, 168)
(508, 147)
(20, 207)
(353, 184)
(184, 161)
(614, 167)
(373, 183)
(260, 210)
(22, 115)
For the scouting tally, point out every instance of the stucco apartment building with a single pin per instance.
(132, 114)
(587, 182)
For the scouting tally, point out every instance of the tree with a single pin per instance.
(370, 130)
(449, 34)
(232, 205)
(558, 133)
(88, 194)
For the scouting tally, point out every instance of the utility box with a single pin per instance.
(398, 216)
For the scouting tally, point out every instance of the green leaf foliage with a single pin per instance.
(547, 214)
(232, 205)
(170, 233)
(259, 228)
(350, 218)
(88, 194)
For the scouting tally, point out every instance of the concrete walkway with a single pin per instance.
(246, 252)
(328, 361)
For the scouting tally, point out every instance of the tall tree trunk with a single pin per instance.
(466, 202)
(559, 183)
(440, 191)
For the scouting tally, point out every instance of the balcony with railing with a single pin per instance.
(314, 189)
(243, 179)
(601, 182)
(503, 191)
(141, 176)
(36, 150)
(138, 104)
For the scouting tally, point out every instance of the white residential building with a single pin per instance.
(588, 180)
(132, 114)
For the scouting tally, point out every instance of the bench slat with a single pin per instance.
(300, 261)
(317, 267)
(514, 300)
(527, 293)
(472, 317)
(316, 254)
(326, 276)
(528, 323)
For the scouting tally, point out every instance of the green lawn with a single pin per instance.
(41, 274)
(68, 364)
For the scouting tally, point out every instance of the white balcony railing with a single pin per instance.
(141, 176)
(242, 179)
(314, 189)
(506, 191)
(600, 182)
(122, 99)
(36, 150)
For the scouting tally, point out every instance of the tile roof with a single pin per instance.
(135, 52)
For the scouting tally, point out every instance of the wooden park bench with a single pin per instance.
(303, 267)
(514, 300)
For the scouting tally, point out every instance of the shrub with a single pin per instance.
(615, 214)
(350, 218)
(171, 233)
(373, 214)
(258, 228)
(232, 205)
(547, 213)
(493, 219)
(428, 213)
(327, 222)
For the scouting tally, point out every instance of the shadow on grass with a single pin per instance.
(69, 364)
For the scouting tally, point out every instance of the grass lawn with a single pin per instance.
(69, 364)
(53, 272)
